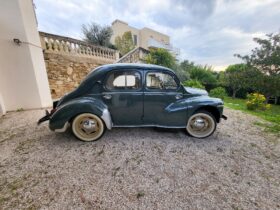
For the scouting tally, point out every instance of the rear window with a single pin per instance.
(123, 80)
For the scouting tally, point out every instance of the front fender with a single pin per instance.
(203, 101)
(72, 108)
(192, 104)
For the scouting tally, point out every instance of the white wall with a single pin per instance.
(23, 76)
(2, 107)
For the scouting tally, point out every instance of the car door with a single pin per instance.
(162, 89)
(123, 94)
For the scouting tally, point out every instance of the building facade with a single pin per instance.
(145, 37)
(23, 77)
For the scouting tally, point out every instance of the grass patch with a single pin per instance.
(272, 115)
(140, 194)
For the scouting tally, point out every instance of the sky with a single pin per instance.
(206, 31)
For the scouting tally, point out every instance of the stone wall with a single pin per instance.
(68, 61)
(65, 72)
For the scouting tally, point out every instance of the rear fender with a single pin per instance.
(66, 112)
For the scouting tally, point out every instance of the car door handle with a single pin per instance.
(179, 96)
(107, 96)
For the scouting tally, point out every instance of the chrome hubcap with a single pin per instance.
(89, 125)
(200, 125)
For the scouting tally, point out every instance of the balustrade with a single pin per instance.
(61, 44)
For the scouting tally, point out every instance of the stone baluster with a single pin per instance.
(74, 47)
(48, 45)
(69, 47)
(88, 51)
(66, 49)
(71, 50)
(78, 48)
(51, 44)
(59, 46)
(55, 45)
(83, 49)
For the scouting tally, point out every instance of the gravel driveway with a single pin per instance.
(237, 168)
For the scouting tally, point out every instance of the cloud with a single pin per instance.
(206, 31)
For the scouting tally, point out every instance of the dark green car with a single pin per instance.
(134, 95)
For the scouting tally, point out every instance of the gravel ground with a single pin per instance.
(138, 168)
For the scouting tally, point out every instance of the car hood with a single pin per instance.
(196, 91)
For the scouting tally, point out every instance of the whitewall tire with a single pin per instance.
(87, 127)
(201, 124)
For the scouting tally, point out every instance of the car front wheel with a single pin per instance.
(201, 124)
(88, 127)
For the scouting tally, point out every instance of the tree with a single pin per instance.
(161, 57)
(187, 65)
(218, 92)
(181, 73)
(265, 84)
(266, 57)
(193, 83)
(235, 77)
(97, 35)
(124, 43)
(204, 74)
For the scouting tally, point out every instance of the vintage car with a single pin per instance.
(134, 95)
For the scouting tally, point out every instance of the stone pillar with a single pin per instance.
(23, 77)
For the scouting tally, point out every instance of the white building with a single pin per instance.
(23, 76)
(146, 38)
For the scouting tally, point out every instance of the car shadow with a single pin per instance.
(138, 134)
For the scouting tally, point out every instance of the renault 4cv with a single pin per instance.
(134, 95)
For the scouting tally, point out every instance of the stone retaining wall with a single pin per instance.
(65, 72)
(68, 61)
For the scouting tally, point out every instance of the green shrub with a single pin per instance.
(256, 101)
(218, 92)
(193, 83)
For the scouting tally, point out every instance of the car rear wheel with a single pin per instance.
(201, 124)
(88, 127)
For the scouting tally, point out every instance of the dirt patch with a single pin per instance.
(138, 168)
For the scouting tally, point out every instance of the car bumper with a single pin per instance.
(48, 114)
(45, 118)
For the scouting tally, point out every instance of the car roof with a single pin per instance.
(135, 65)
(100, 71)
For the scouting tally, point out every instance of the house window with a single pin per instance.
(135, 39)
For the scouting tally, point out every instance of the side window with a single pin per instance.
(160, 81)
(121, 80)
